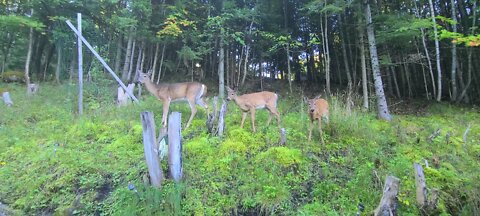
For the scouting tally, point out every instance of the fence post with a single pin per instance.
(175, 146)
(149, 142)
(221, 119)
(6, 99)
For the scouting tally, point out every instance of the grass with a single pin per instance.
(55, 162)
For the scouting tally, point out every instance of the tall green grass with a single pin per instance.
(53, 161)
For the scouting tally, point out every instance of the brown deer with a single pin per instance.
(192, 92)
(317, 109)
(254, 101)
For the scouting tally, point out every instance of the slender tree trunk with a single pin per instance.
(130, 64)
(227, 62)
(29, 54)
(59, 65)
(454, 53)
(118, 55)
(469, 57)
(364, 70)
(126, 64)
(221, 72)
(326, 52)
(382, 106)
(427, 54)
(437, 53)
(345, 62)
(155, 57)
(395, 82)
(161, 64)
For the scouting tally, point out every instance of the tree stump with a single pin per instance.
(212, 116)
(153, 164)
(283, 136)
(221, 119)
(7, 99)
(388, 203)
(175, 146)
(32, 89)
(123, 98)
(426, 204)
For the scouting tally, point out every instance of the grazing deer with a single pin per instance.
(192, 92)
(317, 108)
(253, 101)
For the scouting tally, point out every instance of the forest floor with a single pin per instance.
(54, 162)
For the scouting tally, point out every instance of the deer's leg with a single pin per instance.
(202, 103)
(193, 112)
(252, 116)
(166, 105)
(320, 129)
(244, 115)
(310, 131)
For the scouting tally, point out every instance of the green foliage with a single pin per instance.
(54, 162)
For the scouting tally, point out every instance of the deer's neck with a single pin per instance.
(151, 87)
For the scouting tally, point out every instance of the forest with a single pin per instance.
(400, 82)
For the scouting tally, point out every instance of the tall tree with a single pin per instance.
(437, 52)
(382, 107)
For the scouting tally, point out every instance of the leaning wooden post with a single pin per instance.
(80, 64)
(388, 203)
(175, 146)
(7, 99)
(149, 142)
(221, 119)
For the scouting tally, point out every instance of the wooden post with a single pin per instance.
(161, 144)
(80, 64)
(101, 60)
(221, 117)
(122, 96)
(283, 136)
(154, 168)
(175, 146)
(426, 204)
(6, 99)
(421, 185)
(212, 116)
(32, 89)
(388, 203)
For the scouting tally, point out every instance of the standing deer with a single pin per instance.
(317, 108)
(253, 101)
(192, 92)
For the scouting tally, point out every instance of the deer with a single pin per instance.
(192, 92)
(317, 109)
(253, 101)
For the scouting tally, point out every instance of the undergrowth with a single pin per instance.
(53, 161)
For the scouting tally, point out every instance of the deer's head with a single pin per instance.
(311, 103)
(143, 77)
(230, 93)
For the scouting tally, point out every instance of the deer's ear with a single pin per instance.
(305, 99)
(318, 96)
(228, 88)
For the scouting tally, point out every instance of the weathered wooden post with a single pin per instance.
(283, 136)
(388, 203)
(212, 116)
(122, 96)
(32, 89)
(80, 64)
(175, 146)
(7, 99)
(149, 142)
(425, 203)
(221, 117)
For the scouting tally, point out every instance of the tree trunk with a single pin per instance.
(364, 70)
(59, 65)
(128, 53)
(437, 53)
(118, 55)
(382, 107)
(130, 63)
(324, 32)
(161, 64)
(469, 57)
(221, 71)
(345, 61)
(154, 67)
(29, 54)
(454, 53)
